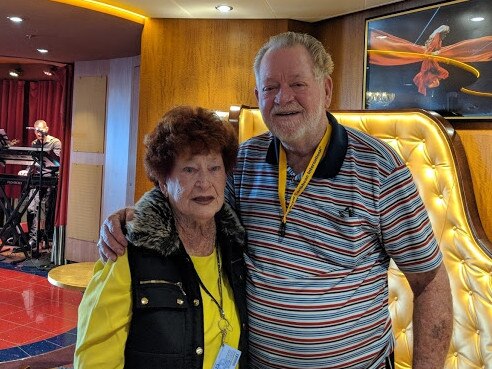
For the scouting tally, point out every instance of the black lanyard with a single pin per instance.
(224, 325)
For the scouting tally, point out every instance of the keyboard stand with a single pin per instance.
(12, 225)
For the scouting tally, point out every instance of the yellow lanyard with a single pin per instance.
(306, 177)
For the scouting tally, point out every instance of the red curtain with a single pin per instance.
(12, 107)
(12, 97)
(51, 101)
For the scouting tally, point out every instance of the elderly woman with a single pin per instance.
(176, 299)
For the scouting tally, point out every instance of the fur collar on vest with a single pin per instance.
(153, 225)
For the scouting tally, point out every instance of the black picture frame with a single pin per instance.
(436, 58)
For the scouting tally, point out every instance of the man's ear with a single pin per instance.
(328, 91)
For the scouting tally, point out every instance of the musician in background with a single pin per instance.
(47, 195)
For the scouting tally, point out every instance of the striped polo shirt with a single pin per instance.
(318, 296)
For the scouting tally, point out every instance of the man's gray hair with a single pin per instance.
(323, 64)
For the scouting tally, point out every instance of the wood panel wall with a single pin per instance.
(209, 63)
(105, 182)
(196, 62)
(478, 147)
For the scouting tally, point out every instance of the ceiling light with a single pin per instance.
(49, 71)
(223, 8)
(477, 19)
(42, 51)
(15, 19)
(16, 73)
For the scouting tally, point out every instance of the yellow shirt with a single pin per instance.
(207, 269)
(106, 310)
(104, 317)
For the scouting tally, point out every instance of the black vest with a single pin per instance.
(166, 329)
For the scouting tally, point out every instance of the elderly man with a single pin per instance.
(325, 209)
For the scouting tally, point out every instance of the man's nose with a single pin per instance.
(284, 95)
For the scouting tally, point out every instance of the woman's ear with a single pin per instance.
(163, 188)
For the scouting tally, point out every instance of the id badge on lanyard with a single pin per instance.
(227, 358)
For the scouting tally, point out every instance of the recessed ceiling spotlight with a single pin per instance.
(16, 73)
(224, 8)
(15, 19)
(42, 51)
(49, 71)
(477, 19)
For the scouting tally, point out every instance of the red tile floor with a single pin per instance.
(37, 320)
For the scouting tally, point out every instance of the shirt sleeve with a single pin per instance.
(104, 317)
(406, 229)
(57, 147)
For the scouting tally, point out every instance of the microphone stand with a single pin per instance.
(40, 198)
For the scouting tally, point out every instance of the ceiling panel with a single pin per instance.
(72, 33)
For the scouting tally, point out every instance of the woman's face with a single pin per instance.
(195, 186)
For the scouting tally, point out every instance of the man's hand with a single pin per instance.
(112, 242)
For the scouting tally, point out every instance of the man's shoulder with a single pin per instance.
(258, 143)
(364, 144)
(54, 139)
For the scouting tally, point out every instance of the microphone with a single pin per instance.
(37, 130)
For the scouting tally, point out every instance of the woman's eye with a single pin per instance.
(216, 168)
(188, 170)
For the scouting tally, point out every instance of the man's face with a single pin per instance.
(292, 101)
(40, 131)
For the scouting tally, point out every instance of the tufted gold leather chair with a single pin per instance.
(433, 152)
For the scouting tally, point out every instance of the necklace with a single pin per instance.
(223, 323)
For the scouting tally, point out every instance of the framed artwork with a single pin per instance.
(435, 58)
